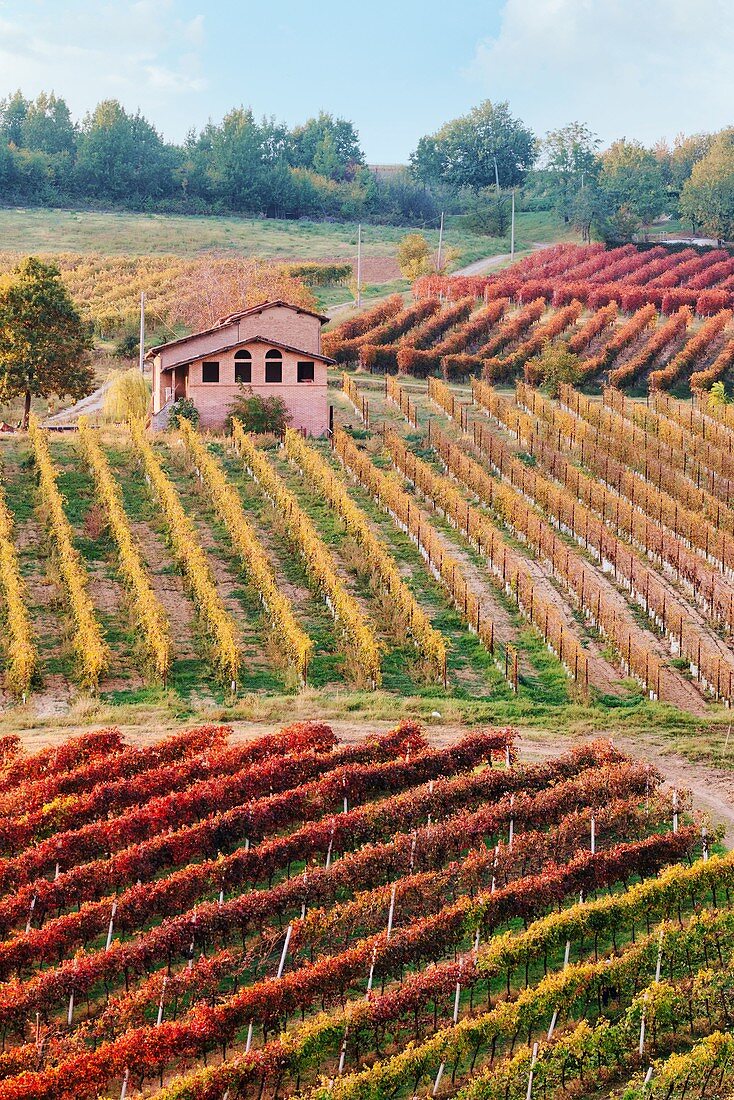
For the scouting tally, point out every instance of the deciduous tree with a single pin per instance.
(707, 198)
(414, 256)
(44, 344)
(633, 177)
(484, 148)
(568, 161)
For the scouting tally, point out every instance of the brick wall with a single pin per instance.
(306, 401)
(280, 323)
(284, 325)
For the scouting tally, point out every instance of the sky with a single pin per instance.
(642, 69)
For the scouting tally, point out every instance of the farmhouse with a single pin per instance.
(273, 348)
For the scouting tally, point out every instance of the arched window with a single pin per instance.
(242, 366)
(273, 365)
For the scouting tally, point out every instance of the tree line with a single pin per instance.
(317, 170)
(611, 193)
(240, 165)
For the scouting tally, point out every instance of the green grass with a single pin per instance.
(44, 230)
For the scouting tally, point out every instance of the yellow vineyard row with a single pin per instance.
(360, 638)
(147, 609)
(714, 457)
(382, 566)
(89, 645)
(295, 646)
(689, 511)
(644, 528)
(192, 559)
(505, 562)
(22, 656)
(523, 483)
(388, 493)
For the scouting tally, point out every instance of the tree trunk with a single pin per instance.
(27, 408)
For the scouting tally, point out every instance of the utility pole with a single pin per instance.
(142, 331)
(359, 267)
(440, 244)
(496, 175)
(512, 232)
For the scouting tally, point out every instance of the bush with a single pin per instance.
(127, 398)
(183, 409)
(127, 346)
(555, 366)
(261, 415)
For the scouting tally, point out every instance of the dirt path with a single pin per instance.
(712, 788)
(169, 587)
(89, 405)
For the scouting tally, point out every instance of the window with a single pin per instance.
(273, 366)
(242, 366)
(210, 372)
(305, 372)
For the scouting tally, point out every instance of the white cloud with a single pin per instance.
(139, 51)
(639, 68)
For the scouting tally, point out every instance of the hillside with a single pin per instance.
(291, 914)
(113, 233)
(533, 627)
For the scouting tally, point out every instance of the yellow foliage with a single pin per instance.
(127, 398)
(427, 640)
(385, 489)
(303, 535)
(150, 616)
(292, 642)
(192, 559)
(22, 657)
(91, 650)
(192, 292)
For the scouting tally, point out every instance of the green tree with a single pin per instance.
(623, 224)
(47, 126)
(632, 177)
(488, 214)
(13, 111)
(717, 395)
(236, 153)
(44, 343)
(261, 415)
(568, 161)
(557, 365)
(590, 211)
(414, 256)
(707, 199)
(183, 409)
(483, 148)
(122, 155)
(327, 145)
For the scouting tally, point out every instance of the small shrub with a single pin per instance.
(183, 409)
(261, 415)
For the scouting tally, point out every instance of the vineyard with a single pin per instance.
(632, 318)
(452, 542)
(290, 916)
